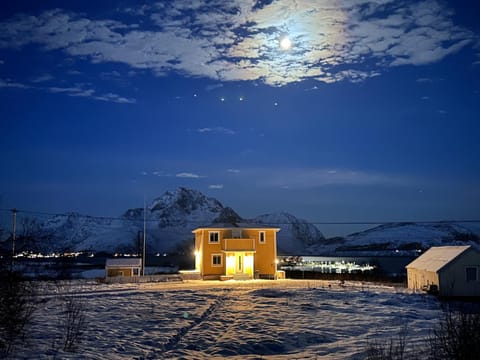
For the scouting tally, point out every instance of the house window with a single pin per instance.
(261, 237)
(471, 273)
(213, 237)
(135, 272)
(216, 260)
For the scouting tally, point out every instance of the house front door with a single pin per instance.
(239, 260)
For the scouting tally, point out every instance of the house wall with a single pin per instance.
(453, 280)
(266, 253)
(206, 250)
(421, 279)
(119, 272)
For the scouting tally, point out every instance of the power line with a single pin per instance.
(382, 222)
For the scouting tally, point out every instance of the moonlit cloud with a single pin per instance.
(216, 186)
(217, 129)
(6, 83)
(42, 78)
(233, 171)
(350, 40)
(78, 91)
(293, 178)
(188, 175)
(214, 87)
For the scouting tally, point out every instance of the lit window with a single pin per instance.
(213, 237)
(471, 273)
(216, 260)
(261, 238)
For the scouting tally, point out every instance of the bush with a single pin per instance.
(17, 304)
(73, 322)
(456, 337)
(393, 350)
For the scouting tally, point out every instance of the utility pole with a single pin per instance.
(14, 230)
(144, 235)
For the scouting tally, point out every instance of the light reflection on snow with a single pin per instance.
(241, 320)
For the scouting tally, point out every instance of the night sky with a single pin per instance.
(331, 110)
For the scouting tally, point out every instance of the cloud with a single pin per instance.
(115, 98)
(75, 91)
(188, 175)
(213, 87)
(7, 83)
(292, 178)
(217, 129)
(234, 171)
(79, 91)
(424, 80)
(161, 173)
(350, 40)
(216, 186)
(42, 78)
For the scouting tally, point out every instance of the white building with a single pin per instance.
(450, 270)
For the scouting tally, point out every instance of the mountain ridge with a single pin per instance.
(169, 220)
(171, 217)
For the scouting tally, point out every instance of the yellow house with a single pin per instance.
(236, 251)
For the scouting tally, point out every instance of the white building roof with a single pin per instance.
(124, 262)
(436, 258)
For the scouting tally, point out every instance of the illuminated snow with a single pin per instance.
(241, 320)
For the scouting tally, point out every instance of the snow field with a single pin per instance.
(287, 319)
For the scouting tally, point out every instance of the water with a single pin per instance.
(390, 265)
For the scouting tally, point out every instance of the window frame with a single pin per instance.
(217, 256)
(217, 241)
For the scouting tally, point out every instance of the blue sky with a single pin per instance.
(369, 113)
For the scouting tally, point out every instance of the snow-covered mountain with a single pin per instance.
(170, 220)
(304, 233)
(402, 238)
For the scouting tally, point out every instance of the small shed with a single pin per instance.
(452, 271)
(123, 267)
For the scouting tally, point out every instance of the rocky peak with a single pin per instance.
(184, 200)
(229, 216)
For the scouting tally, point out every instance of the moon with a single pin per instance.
(285, 43)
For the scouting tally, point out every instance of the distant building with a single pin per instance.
(231, 251)
(123, 267)
(452, 271)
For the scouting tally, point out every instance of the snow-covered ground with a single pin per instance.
(284, 319)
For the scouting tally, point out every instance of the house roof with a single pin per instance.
(435, 258)
(237, 226)
(125, 262)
